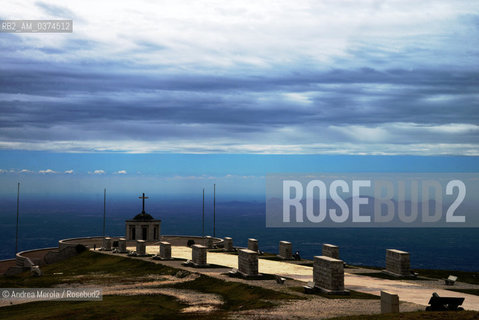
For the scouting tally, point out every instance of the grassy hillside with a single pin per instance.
(101, 270)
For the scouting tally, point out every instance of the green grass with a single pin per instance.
(101, 269)
(382, 275)
(112, 307)
(462, 276)
(421, 315)
(275, 258)
(88, 267)
(236, 295)
(352, 294)
(468, 291)
(262, 276)
(368, 267)
(96, 268)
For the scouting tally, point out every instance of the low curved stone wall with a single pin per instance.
(35, 255)
(88, 242)
(68, 248)
(24, 260)
(182, 240)
(175, 240)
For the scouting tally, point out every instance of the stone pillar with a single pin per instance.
(285, 250)
(122, 245)
(389, 302)
(165, 250)
(228, 244)
(397, 262)
(331, 251)
(130, 229)
(107, 244)
(248, 262)
(208, 242)
(154, 231)
(328, 274)
(252, 244)
(198, 255)
(140, 247)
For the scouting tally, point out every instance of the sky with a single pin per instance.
(237, 79)
(237, 176)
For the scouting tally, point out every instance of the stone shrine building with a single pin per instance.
(143, 226)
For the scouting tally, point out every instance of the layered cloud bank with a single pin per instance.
(335, 77)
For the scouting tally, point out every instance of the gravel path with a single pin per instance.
(321, 308)
(408, 290)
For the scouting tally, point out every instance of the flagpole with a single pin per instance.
(104, 211)
(214, 210)
(18, 208)
(203, 232)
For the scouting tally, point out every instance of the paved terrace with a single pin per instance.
(413, 291)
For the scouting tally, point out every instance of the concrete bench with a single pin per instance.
(438, 303)
(451, 280)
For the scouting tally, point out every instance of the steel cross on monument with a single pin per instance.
(143, 198)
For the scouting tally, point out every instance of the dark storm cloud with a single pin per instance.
(416, 88)
(336, 98)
